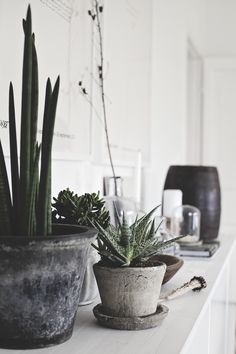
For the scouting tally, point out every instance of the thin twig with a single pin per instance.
(101, 78)
(93, 108)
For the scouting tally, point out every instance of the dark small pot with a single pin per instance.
(40, 283)
(201, 188)
(173, 264)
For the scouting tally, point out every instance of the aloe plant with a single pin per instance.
(25, 210)
(130, 245)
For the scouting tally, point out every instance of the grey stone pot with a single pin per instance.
(89, 289)
(129, 291)
(40, 283)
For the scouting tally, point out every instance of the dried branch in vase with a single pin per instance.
(95, 14)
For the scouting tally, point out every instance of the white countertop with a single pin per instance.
(168, 338)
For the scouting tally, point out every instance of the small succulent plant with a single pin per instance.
(69, 208)
(130, 245)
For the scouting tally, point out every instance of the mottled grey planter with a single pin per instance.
(40, 283)
(129, 291)
(89, 289)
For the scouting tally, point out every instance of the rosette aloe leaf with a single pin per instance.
(130, 245)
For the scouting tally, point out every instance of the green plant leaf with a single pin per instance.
(14, 161)
(5, 198)
(45, 175)
(83, 210)
(33, 192)
(25, 152)
(131, 245)
(34, 105)
(112, 257)
(110, 241)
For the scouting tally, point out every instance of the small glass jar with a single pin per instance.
(116, 203)
(185, 221)
(163, 233)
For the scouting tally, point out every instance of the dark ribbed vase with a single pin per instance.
(201, 188)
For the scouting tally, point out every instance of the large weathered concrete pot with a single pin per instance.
(89, 289)
(40, 283)
(129, 291)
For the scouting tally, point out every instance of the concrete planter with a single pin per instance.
(129, 291)
(40, 283)
(89, 289)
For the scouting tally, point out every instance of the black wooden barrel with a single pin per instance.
(201, 188)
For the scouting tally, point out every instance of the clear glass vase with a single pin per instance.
(116, 203)
(186, 221)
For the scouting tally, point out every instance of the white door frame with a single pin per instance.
(194, 124)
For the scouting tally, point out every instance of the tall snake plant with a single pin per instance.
(26, 209)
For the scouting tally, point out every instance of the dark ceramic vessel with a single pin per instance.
(201, 188)
(40, 283)
(173, 264)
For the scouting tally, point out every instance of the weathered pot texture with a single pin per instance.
(40, 283)
(129, 291)
(89, 289)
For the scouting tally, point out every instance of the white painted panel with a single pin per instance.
(127, 52)
(218, 324)
(194, 106)
(63, 42)
(219, 143)
(231, 328)
(198, 342)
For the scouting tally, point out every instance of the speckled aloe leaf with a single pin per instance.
(111, 241)
(131, 245)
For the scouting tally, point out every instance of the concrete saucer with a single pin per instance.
(131, 323)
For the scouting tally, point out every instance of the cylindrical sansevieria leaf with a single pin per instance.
(30, 209)
(49, 207)
(33, 192)
(14, 161)
(5, 199)
(45, 173)
(42, 207)
(25, 145)
(34, 105)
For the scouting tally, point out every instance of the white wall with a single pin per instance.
(221, 28)
(160, 131)
(64, 46)
(219, 131)
(174, 22)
